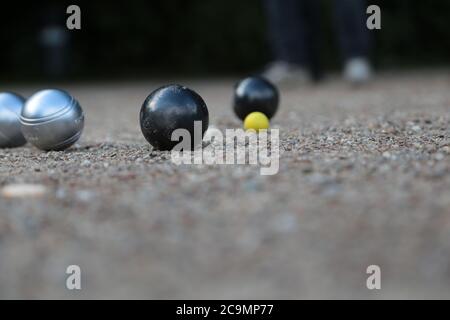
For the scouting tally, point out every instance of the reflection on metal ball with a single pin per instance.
(11, 106)
(52, 120)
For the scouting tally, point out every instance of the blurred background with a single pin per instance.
(140, 39)
(364, 174)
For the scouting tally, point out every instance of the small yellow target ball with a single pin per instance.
(256, 121)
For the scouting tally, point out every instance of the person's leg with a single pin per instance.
(311, 14)
(293, 33)
(287, 30)
(353, 36)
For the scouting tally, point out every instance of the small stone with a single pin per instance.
(307, 169)
(84, 195)
(386, 154)
(446, 149)
(23, 190)
(61, 193)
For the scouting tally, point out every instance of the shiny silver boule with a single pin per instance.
(52, 120)
(11, 106)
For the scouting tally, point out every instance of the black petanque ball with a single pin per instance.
(169, 108)
(255, 94)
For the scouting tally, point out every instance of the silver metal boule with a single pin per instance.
(11, 105)
(52, 120)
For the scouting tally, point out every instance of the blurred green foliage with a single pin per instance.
(208, 37)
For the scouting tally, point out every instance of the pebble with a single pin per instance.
(84, 195)
(23, 190)
(446, 149)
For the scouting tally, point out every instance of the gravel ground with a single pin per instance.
(364, 179)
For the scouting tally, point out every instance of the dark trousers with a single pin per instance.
(294, 29)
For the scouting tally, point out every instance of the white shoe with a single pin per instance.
(279, 72)
(357, 71)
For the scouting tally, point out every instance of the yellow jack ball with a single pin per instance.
(256, 121)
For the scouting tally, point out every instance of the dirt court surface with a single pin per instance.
(364, 180)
